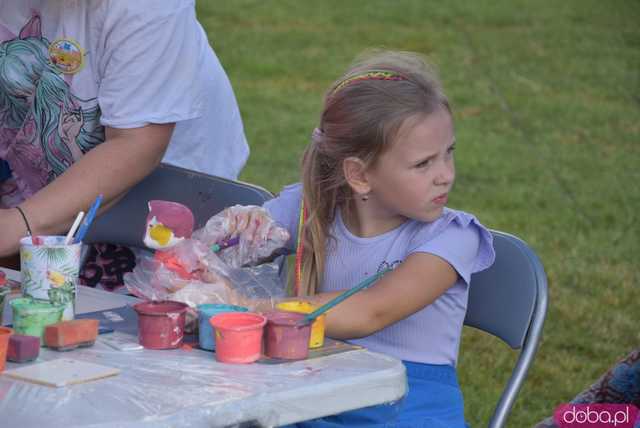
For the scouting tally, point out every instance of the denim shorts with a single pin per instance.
(434, 400)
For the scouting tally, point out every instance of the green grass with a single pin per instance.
(547, 104)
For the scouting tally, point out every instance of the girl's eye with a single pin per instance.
(424, 164)
(451, 149)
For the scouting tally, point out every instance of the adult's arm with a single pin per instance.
(112, 168)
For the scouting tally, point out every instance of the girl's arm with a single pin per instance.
(112, 168)
(414, 284)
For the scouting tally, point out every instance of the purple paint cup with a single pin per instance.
(287, 336)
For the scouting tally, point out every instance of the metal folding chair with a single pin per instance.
(204, 194)
(509, 300)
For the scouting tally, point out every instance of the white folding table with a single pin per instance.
(188, 388)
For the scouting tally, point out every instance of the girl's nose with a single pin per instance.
(446, 173)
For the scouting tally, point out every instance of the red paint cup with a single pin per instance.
(238, 336)
(5, 333)
(161, 324)
(286, 337)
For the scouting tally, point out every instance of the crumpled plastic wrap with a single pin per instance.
(192, 273)
(258, 233)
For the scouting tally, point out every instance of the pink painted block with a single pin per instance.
(23, 348)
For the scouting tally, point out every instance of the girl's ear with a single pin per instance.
(354, 169)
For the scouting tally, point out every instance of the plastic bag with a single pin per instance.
(259, 235)
(192, 273)
(187, 274)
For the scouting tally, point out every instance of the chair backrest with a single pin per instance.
(509, 300)
(205, 195)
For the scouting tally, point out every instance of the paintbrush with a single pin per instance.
(74, 227)
(341, 297)
(84, 227)
(225, 244)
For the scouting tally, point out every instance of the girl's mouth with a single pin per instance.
(441, 200)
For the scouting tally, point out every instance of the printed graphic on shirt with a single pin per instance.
(385, 265)
(66, 55)
(44, 127)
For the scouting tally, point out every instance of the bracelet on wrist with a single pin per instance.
(26, 222)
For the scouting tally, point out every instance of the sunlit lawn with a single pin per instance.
(547, 107)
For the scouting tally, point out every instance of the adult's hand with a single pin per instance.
(112, 168)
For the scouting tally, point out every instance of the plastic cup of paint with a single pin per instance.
(31, 316)
(161, 324)
(206, 337)
(238, 336)
(5, 333)
(50, 271)
(286, 336)
(23, 348)
(316, 340)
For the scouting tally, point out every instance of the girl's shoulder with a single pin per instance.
(449, 220)
(289, 197)
(290, 190)
(284, 208)
(458, 237)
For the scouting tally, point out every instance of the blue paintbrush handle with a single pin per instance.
(331, 303)
(84, 227)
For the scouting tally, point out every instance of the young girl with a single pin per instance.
(375, 182)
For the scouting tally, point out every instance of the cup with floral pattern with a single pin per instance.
(50, 271)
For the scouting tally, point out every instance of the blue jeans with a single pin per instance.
(434, 400)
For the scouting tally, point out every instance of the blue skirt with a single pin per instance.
(434, 400)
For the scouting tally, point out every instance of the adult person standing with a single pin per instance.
(94, 95)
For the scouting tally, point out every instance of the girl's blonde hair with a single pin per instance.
(363, 112)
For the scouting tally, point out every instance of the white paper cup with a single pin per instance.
(50, 271)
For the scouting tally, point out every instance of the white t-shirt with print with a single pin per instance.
(143, 62)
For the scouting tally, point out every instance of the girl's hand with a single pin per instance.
(251, 222)
(259, 235)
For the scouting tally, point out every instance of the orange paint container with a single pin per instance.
(5, 333)
(238, 336)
